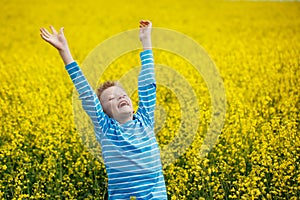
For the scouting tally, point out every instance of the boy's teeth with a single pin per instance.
(123, 104)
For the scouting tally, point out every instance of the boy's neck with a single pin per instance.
(124, 119)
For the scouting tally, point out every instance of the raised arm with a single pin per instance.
(88, 97)
(146, 80)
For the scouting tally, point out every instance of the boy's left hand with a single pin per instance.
(145, 31)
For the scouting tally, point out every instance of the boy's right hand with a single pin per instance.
(56, 39)
(59, 41)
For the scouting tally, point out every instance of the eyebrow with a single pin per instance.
(114, 96)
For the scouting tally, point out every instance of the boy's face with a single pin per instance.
(116, 103)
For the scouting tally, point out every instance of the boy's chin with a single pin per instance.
(126, 111)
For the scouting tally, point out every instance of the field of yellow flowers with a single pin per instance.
(255, 46)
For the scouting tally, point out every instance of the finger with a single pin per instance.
(142, 27)
(45, 32)
(145, 22)
(148, 23)
(61, 31)
(44, 37)
(53, 30)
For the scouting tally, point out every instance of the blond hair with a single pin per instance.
(105, 86)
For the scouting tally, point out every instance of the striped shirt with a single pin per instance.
(130, 151)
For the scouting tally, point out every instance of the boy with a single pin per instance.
(129, 148)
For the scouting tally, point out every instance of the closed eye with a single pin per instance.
(111, 98)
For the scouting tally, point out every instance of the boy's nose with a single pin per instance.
(122, 96)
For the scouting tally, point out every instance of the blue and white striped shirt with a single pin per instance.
(130, 150)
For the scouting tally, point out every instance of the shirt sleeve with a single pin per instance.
(147, 86)
(88, 97)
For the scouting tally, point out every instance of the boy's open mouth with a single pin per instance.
(123, 103)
